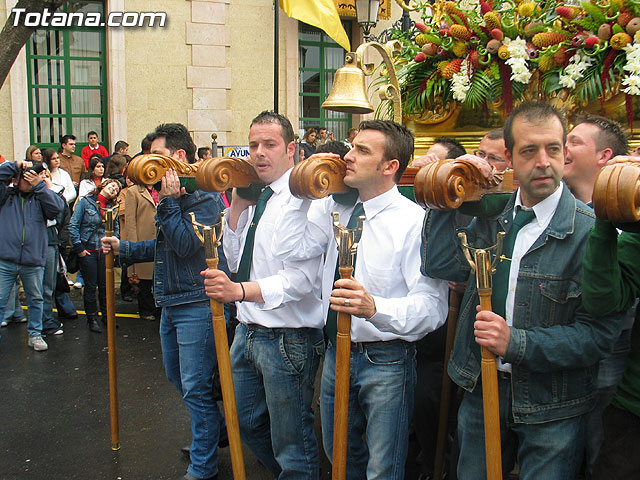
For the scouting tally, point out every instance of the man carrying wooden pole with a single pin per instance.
(546, 343)
(390, 303)
(186, 330)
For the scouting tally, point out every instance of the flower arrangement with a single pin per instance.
(501, 52)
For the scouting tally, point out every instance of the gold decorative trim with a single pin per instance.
(347, 9)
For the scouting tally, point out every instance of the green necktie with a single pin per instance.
(331, 327)
(501, 277)
(247, 254)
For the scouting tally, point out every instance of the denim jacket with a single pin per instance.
(554, 344)
(86, 227)
(177, 253)
(23, 219)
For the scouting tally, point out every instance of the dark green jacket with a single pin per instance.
(611, 282)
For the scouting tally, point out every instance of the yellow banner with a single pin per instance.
(321, 14)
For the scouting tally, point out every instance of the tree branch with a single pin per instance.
(13, 38)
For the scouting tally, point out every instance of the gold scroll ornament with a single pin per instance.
(213, 175)
(149, 169)
(616, 194)
(447, 184)
(221, 173)
(440, 185)
(318, 177)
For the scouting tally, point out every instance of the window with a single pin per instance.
(66, 71)
(320, 57)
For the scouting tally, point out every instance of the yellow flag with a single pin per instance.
(319, 13)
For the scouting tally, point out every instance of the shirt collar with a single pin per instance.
(375, 205)
(545, 209)
(278, 185)
(96, 147)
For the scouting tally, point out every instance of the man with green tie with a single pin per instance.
(547, 345)
(278, 343)
(391, 304)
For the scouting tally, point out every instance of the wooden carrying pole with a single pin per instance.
(347, 246)
(341, 396)
(111, 335)
(481, 263)
(489, 371)
(222, 352)
(455, 298)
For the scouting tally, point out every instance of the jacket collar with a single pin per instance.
(563, 220)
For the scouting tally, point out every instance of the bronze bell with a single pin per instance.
(348, 94)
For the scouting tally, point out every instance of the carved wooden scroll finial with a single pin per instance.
(221, 173)
(149, 169)
(616, 194)
(447, 184)
(318, 177)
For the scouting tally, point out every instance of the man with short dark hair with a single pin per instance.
(186, 330)
(442, 149)
(351, 134)
(71, 163)
(391, 304)
(323, 136)
(547, 345)
(92, 148)
(590, 144)
(204, 153)
(24, 211)
(121, 148)
(278, 343)
(492, 148)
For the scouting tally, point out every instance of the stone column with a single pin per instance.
(208, 77)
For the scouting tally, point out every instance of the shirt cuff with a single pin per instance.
(272, 292)
(383, 315)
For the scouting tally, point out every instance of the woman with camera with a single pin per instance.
(85, 229)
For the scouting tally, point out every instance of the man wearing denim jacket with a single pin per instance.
(186, 330)
(24, 210)
(548, 345)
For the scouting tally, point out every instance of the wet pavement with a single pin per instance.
(54, 407)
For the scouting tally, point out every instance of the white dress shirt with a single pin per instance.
(408, 304)
(289, 289)
(525, 239)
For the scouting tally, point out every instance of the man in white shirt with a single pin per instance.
(391, 304)
(278, 343)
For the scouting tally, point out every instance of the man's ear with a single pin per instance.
(391, 167)
(507, 157)
(605, 156)
(180, 155)
(291, 149)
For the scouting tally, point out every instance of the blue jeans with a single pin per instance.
(550, 451)
(381, 395)
(189, 355)
(65, 305)
(273, 374)
(32, 284)
(49, 322)
(610, 372)
(93, 272)
(13, 311)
